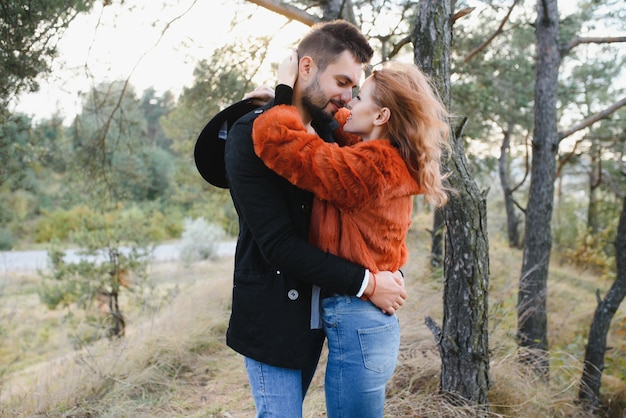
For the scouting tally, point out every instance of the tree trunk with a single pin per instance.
(463, 339)
(512, 220)
(338, 9)
(531, 304)
(595, 179)
(589, 392)
(436, 238)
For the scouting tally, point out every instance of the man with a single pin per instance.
(275, 320)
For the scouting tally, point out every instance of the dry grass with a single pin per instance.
(176, 364)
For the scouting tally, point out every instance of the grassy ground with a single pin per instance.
(174, 363)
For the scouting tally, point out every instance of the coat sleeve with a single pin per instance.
(342, 137)
(264, 211)
(347, 176)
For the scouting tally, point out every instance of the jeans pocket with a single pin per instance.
(379, 346)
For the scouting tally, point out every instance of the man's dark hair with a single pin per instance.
(328, 40)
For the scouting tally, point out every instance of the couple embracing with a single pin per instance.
(323, 184)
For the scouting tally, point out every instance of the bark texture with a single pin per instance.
(436, 238)
(531, 306)
(512, 221)
(589, 392)
(463, 338)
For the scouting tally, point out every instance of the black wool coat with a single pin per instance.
(275, 268)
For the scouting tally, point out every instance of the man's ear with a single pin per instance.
(383, 116)
(306, 65)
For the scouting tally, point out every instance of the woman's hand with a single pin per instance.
(288, 69)
(287, 74)
(386, 290)
(260, 96)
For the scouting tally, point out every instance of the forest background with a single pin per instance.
(120, 173)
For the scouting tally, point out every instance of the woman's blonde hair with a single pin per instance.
(418, 124)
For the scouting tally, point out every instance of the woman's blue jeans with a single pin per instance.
(363, 346)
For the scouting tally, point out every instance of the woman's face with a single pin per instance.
(363, 111)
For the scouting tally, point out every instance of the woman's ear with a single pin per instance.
(383, 116)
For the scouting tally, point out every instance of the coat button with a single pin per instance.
(293, 294)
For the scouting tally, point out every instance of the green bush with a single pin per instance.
(592, 252)
(163, 227)
(7, 240)
(61, 223)
(567, 218)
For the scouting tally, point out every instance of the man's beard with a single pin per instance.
(314, 101)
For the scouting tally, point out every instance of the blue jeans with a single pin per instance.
(279, 392)
(363, 346)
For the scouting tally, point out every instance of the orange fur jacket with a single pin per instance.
(363, 190)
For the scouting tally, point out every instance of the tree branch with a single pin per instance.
(437, 333)
(398, 46)
(570, 155)
(592, 119)
(492, 37)
(462, 13)
(526, 167)
(458, 131)
(578, 41)
(290, 12)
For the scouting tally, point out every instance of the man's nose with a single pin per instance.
(346, 96)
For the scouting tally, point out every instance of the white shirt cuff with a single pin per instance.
(366, 281)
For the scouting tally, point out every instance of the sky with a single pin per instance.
(154, 43)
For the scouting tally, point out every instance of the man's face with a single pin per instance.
(331, 89)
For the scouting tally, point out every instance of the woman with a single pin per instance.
(391, 138)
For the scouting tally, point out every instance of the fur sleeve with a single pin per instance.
(342, 137)
(346, 176)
